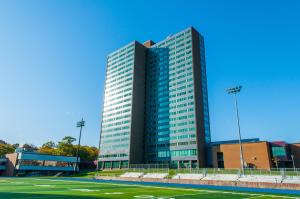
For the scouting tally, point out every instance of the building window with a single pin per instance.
(220, 159)
(278, 151)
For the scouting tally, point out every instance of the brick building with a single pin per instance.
(257, 154)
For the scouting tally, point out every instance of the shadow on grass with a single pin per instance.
(7, 195)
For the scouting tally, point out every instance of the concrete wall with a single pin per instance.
(136, 155)
(11, 163)
(198, 97)
(257, 154)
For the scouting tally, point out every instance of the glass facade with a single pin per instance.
(116, 117)
(175, 128)
(204, 92)
(170, 102)
(278, 151)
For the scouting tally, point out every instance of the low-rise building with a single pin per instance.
(257, 154)
(32, 163)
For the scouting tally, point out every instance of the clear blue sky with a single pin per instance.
(53, 56)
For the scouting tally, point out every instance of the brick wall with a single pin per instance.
(257, 154)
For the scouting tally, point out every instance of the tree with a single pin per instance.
(88, 153)
(49, 144)
(48, 148)
(5, 149)
(16, 145)
(66, 147)
(2, 142)
(30, 147)
(68, 140)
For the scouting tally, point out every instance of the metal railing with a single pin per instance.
(214, 171)
(164, 168)
(149, 168)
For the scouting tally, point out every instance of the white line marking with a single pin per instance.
(17, 182)
(43, 185)
(114, 193)
(84, 190)
(144, 196)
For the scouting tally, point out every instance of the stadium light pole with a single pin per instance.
(234, 91)
(79, 125)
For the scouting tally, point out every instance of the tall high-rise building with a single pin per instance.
(122, 128)
(155, 104)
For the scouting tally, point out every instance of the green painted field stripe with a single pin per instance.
(38, 197)
(174, 188)
(253, 197)
(185, 195)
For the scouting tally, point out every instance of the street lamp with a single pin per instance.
(80, 125)
(234, 91)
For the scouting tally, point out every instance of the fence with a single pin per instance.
(149, 168)
(247, 171)
(165, 168)
(279, 171)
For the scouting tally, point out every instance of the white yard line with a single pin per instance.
(17, 182)
(85, 190)
(44, 185)
(113, 193)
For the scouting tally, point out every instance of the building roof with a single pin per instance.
(235, 141)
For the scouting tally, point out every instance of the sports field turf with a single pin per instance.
(41, 188)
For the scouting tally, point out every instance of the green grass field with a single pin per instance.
(42, 188)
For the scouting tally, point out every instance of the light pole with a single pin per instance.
(292, 156)
(234, 91)
(80, 125)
